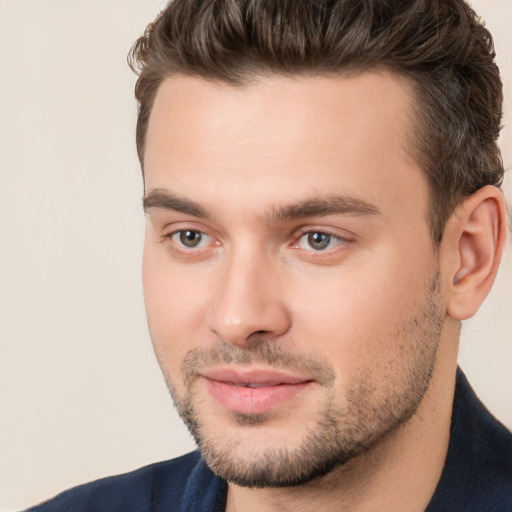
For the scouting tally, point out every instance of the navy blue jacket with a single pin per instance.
(477, 476)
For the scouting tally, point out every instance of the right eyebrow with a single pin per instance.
(159, 199)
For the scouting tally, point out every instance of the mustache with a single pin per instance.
(259, 351)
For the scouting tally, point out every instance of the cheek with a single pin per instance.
(354, 314)
(172, 294)
(174, 311)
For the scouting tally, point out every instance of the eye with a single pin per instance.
(318, 241)
(189, 238)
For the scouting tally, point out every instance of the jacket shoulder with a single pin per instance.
(477, 476)
(141, 490)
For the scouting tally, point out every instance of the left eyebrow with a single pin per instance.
(321, 207)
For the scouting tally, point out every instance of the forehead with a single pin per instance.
(280, 137)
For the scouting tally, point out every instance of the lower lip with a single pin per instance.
(245, 400)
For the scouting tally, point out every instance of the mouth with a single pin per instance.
(253, 391)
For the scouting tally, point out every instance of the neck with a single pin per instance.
(401, 473)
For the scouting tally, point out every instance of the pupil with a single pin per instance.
(190, 238)
(319, 241)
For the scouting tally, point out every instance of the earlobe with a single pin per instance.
(474, 239)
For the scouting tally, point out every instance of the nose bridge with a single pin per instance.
(248, 299)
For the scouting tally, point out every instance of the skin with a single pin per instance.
(370, 321)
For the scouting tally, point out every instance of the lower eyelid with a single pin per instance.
(340, 246)
(207, 243)
(202, 240)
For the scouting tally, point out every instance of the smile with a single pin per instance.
(255, 391)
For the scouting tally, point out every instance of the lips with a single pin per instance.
(253, 391)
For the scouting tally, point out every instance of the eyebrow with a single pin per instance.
(159, 199)
(321, 207)
(313, 207)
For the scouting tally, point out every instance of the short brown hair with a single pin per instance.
(440, 45)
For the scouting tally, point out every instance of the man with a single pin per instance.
(323, 209)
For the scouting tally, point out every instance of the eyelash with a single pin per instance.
(179, 245)
(181, 232)
(340, 240)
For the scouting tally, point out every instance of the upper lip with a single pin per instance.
(255, 376)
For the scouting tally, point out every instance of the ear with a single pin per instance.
(472, 246)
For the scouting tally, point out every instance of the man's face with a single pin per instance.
(291, 282)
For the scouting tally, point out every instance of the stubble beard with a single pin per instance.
(342, 431)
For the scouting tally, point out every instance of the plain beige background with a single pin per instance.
(80, 392)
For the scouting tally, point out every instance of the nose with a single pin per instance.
(248, 302)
